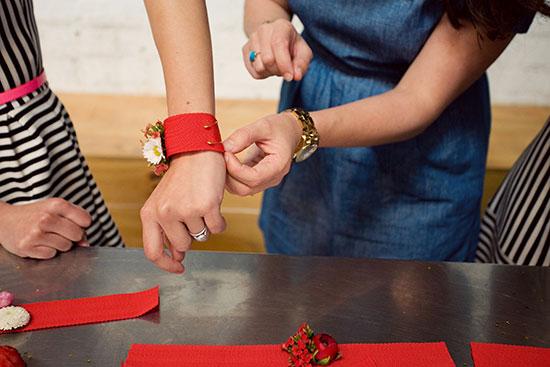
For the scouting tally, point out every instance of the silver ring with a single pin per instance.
(201, 236)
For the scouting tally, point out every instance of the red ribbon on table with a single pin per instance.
(354, 355)
(80, 311)
(502, 355)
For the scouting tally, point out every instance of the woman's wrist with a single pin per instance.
(258, 13)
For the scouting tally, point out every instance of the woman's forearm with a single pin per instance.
(258, 12)
(450, 61)
(182, 36)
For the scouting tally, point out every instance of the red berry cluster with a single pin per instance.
(301, 348)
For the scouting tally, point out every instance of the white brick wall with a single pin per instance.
(105, 46)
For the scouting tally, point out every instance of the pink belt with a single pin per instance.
(23, 89)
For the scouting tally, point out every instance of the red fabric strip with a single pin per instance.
(502, 355)
(91, 310)
(191, 132)
(354, 355)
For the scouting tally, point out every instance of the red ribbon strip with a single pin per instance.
(354, 355)
(191, 132)
(22, 90)
(502, 355)
(91, 310)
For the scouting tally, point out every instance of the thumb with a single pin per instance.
(302, 56)
(243, 138)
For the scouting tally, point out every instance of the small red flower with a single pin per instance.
(307, 349)
(327, 349)
(159, 169)
(10, 357)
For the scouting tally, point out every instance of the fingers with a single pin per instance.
(257, 175)
(266, 55)
(215, 221)
(153, 246)
(70, 211)
(281, 51)
(245, 137)
(176, 255)
(257, 64)
(177, 235)
(245, 180)
(195, 224)
(236, 187)
(42, 252)
(253, 156)
(247, 63)
(65, 228)
(56, 242)
(302, 56)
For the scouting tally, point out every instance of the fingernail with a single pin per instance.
(83, 243)
(226, 156)
(288, 77)
(228, 145)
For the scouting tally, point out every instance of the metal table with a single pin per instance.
(226, 298)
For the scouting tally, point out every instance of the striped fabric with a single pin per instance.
(516, 226)
(39, 153)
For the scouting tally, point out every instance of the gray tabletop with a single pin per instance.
(228, 298)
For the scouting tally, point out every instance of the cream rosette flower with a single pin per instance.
(152, 150)
(13, 317)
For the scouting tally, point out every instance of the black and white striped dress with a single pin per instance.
(39, 153)
(516, 226)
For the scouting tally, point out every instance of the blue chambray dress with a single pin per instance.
(418, 199)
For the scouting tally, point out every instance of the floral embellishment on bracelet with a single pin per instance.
(307, 349)
(153, 147)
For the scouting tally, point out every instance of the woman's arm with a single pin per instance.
(182, 36)
(449, 62)
(190, 193)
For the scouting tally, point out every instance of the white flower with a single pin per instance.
(13, 317)
(152, 150)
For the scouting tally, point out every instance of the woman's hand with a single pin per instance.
(187, 199)
(40, 229)
(272, 141)
(280, 51)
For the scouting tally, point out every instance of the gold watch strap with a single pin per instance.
(310, 136)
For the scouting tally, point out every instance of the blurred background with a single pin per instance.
(100, 58)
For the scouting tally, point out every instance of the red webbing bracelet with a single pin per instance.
(191, 132)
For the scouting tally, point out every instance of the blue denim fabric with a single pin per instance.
(417, 199)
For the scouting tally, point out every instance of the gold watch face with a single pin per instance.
(305, 152)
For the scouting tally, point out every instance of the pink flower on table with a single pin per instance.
(6, 299)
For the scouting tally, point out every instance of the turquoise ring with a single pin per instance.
(252, 56)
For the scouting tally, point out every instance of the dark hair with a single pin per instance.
(495, 19)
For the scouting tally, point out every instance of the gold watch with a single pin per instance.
(309, 141)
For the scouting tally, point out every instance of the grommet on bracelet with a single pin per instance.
(212, 125)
